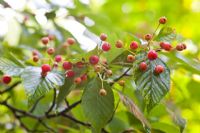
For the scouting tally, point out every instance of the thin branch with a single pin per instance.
(18, 110)
(80, 122)
(27, 114)
(121, 76)
(53, 102)
(35, 105)
(65, 110)
(66, 102)
(9, 88)
(76, 121)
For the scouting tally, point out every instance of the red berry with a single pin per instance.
(119, 44)
(35, 52)
(84, 77)
(166, 46)
(180, 47)
(130, 58)
(103, 36)
(162, 20)
(58, 58)
(79, 64)
(6, 79)
(94, 59)
(159, 69)
(143, 66)
(184, 46)
(51, 37)
(45, 40)
(152, 55)
(67, 65)
(70, 73)
(162, 44)
(45, 68)
(106, 46)
(77, 80)
(35, 58)
(71, 41)
(134, 45)
(50, 51)
(148, 37)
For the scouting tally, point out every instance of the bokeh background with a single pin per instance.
(23, 22)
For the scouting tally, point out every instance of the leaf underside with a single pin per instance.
(166, 34)
(8, 67)
(36, 86)
(134, 109)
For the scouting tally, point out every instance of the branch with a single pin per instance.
(121, 76)
(27, 114)
(80, 122)
(65, 110)
(13, 109)
(76, 121)
(53, 103)
(10, 88)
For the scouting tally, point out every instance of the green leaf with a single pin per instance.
(152, 87)
(36, 86)
(117, 125)
(16, 60)
(176, 116)
(8, 67)
(97, 109)
(133, 108)
(65, 90)
(167, 128)
(166, 34)
(68, 86)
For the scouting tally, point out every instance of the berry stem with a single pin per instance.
(130, 52)
(153, 35)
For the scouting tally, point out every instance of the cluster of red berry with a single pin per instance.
(100, 66)
(66, 65)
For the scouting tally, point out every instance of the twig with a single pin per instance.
(35, 105)
(9, 88)
(80, 122)
(53, 102)
(121, 76)
(66, 102)
(65, 110)
(76, 121)
(27, 114)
